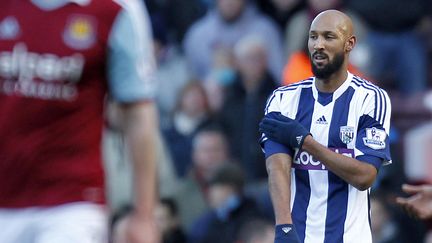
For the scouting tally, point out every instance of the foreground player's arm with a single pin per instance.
(359, 174)
(131, 67)
(141, 132)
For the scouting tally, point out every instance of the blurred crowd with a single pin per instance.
(218, 61)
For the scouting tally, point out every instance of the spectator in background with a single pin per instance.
(244, 104)
(222, 27)
(384, 227)
(118, 164)
(256, 231)
(281, 11)
(168, 222)
(191, 113)
(209, 150)
(396, 51)
(172, 73)
(222, 74)
(179, 15)
(230, 209)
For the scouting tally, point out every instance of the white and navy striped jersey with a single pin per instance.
(353, 121)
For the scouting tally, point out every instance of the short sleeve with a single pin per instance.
(131, 63)
(372, 143)
(270, 147)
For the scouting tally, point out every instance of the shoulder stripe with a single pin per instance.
(361, 84)
(382, 98)
(292, 86)
(381, 106)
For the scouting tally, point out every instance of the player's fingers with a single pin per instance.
(406, 206)
(401, 201)
(411, 189)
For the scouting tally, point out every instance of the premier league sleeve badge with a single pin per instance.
(375, 138)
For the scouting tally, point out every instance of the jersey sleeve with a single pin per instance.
(268, 146)
(372, 143)
(131, 63)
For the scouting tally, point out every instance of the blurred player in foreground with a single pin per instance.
(325, 139)
(58, 59)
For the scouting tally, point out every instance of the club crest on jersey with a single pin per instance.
(80, 32)
(346, 134)
(375, 138)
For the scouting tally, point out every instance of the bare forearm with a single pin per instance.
(360, 175)
(142, 135)
(278, 168)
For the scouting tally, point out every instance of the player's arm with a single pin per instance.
(279, 179)
(371, 146)
(361, 171)
(141, 134)
(278, 163)
(359, 174)
(131, 67)
(291, 133)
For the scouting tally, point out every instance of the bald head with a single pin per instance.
(334, 20)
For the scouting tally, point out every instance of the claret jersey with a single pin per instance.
(58, 60)
(353, 121)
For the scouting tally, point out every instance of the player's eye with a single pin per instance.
(313, 37)
(330, 36)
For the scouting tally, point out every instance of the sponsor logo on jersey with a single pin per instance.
(9, 28)
(375, 138)
(80, 32)
(305, 161)
(322, 120)
(346, 134)
(44, 76)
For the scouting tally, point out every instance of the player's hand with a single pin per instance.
(286, 233)
(136, 229)
(284, 130)
(419, 204)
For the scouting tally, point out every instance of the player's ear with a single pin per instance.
(350, 43)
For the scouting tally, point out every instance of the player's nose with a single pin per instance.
(318, 44)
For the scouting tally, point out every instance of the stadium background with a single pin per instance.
(217, 63)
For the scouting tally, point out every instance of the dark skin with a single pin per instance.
(331, 33)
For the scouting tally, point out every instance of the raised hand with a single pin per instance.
(284, 130)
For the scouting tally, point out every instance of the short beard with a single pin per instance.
(326, 71)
